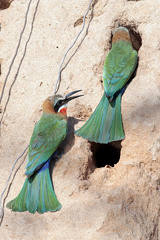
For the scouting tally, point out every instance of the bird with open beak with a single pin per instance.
(37, 193)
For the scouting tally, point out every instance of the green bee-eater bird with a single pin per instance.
(105, 123)
(37, 193)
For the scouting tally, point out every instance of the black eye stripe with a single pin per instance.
(58, 105)
(60, 102)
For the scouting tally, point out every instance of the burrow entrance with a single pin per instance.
(106, 154)
(5, 4)
(135, 37)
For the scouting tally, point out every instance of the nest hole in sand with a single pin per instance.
(5, 4)
(105, 154)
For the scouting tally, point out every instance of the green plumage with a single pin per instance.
(97, 129)
(37, 193)
(105, 123)
(48, 133)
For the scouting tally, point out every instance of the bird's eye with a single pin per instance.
(58, 105)
(60, 102)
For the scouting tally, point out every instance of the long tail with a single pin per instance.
(105, 123)
(37, 194)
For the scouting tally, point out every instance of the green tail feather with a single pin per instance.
(117, 132)
(105, 123)
(37, 194)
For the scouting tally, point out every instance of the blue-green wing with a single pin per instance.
(119, 65)
(47, 135)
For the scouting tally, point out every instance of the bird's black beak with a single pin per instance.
(68, 98)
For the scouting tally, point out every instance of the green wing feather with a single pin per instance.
(48, 133)
(118, 67)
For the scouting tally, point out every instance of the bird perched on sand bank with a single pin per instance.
(105, 123)
(37, 193)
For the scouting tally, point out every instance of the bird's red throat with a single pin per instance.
(64, 110)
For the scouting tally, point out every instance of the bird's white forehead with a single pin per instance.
(60, 96)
